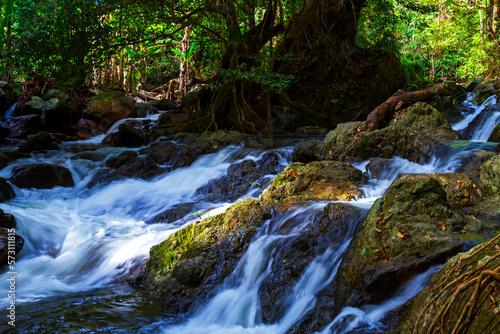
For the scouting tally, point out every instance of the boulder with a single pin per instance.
(307, 151)
(495, 135)
(326, 180)
(23, 126)
(490, 176)
(241, 178)
(8, 96)
(4, 131)
(110, 107)
(7, 157)
(483, 91)
(454, 302)
(471, 85)
(6, 191)
(407, 230)
(185, 270)
(449, 102)
(43, 141)
(165, 105)
(126, 136)
(90, 127)
(41, 176)
(459, 188)
(145, 109)
(90, 155)
(376, 167)
(7, 220)
(130, 164)
(470, 164)
(311, 130)
(415, 135)
(16, 244)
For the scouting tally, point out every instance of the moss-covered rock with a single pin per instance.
(451, 289)
(326, 180)
(470, 164)
(107, 108)
(495, 134)
(415, 135)
(406, 231)
(490, 176)
(449, 102)
(460, 191)
(185, 269)
(43, 141)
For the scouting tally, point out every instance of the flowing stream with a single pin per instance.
(81, 242)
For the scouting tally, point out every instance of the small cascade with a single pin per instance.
(477, 110)
(10, 112)
(369, 317)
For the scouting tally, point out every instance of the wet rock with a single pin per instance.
(186, 269)
(495, 135)
(376, 167)
(490, 176)
(90, 155)
(8, 96)
(130, 164)
(7, 220)
(166, 105)
(174, 214)
(449, 102)
(7, 157)
(471, 85)
(43, 141)
(415, 136)
(329, 229)
(110, 107)
(470, 164)
(41, 176)
(17, 245)
(326, 180)
(483, 91)
(479, 120)
(458, 187)
(451, 288)
(6, 191)
(89, 127)
(411, 228)
(311, 131)
(307, 151)
(145, 109)
(23, 126)
(4, 131)
(126, 136)
(77, 148)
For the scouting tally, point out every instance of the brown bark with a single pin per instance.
(381, 115)
(184, 68)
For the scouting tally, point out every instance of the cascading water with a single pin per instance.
(10, 112)
(81, 240)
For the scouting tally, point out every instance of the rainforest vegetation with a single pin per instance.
(249, 55)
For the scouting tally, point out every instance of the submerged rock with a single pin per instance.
(174, 214)
(326, 180)
(448, 302)
(41, 176)
(7, 220)
(185, 269)
(376, 167)
(415, 135)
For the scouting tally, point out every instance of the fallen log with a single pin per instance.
(381, 115)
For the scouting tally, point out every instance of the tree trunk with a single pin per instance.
(381, 115)
(184, 68)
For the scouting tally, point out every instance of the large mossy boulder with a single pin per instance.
(185, 270)
(454, 302)
(490, 176)
(110, 107)
(325, 180)
(415, 135)
(410, 228)
(41, 176)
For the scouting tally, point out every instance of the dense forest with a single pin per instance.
(249, 55)
(250, 166)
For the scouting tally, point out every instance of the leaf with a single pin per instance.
(177, 52)
(378, 230)
(441, 226)
(400, 235)
(379, 219)
(363, 252)
(130, 52)
(497, 247)
(460, 181)
(472, 217)
(190, 50)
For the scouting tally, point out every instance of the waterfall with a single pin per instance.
(10, 112)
